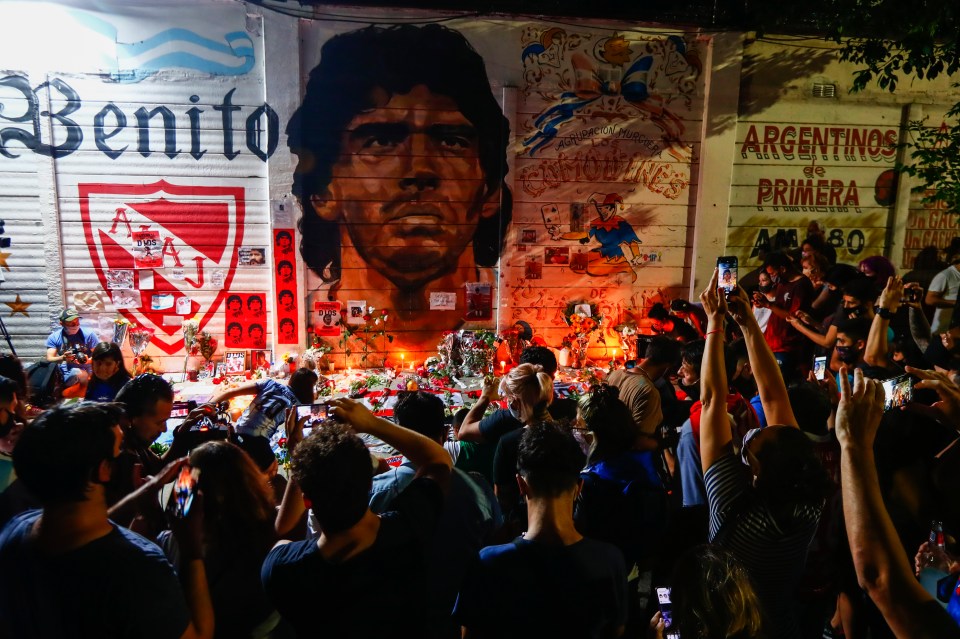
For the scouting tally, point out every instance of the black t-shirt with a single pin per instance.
(119, 585)
(376, 593)
(532, 589)
(505, 477)
(500, 422)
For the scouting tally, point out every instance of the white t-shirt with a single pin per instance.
(947, 282)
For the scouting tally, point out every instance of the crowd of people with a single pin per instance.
(714, 488)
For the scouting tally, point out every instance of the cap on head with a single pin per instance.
(69, 314)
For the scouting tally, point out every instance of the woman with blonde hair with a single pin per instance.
(528, 392)
(712, 597)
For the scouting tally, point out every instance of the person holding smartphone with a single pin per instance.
(268, 410)
(765, 504)
(793, 293)
(68, 570)
(326, 585)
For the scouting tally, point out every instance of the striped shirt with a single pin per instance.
(774, 556)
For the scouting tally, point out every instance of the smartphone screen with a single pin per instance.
(184, 489)
(727, 277)
(313, 411)
(820, 367)
(897, 392)
(663, 596)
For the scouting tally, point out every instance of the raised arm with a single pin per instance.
(292, 507)
(428, 456)
(188, 531)
(249, 388)
(766, 371)
(826, 340)
(715, 436)
(889, 303)
(919, 325)
(470, 428)
(882, 568)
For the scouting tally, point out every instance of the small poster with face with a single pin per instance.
(147, 249)
(119, 279)
(208, 371)
(327, 319)
(251, 256)
(356, 309)
(125, 298)
(184, 306)
(557, 255)
(260, 360)
(533, 270)
(479, 301)
(236, 361)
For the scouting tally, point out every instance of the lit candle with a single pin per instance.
(411, 365)
(614, 353)
(503, 367)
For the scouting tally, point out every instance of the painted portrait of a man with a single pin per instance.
(402, 160)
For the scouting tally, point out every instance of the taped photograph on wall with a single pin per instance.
(479, 301)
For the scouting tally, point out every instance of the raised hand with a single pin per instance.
(947, 409)
(714, 303)
(860, 409)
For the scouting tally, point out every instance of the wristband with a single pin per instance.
(884, 313)
(716, 330)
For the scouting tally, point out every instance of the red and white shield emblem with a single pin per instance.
(200, 229)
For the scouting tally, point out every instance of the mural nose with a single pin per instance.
(420, 181)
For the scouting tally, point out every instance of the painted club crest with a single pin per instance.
(192, 231)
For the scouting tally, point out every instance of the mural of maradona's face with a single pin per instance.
(409, 186)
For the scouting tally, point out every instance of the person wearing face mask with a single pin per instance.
(765, 288)
(528, 391)
(793, 293)
(851, 349)
(62, 348)
(857, 301)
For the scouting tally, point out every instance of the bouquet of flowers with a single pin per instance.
(120, 328)
(582, 327)
(206, 345)
(139, 338)
(479, 351)
(629, 335)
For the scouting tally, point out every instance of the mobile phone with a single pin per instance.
(184, 488)
(663, 597)
(897, 392)
(912, 294)
(182, 409)
(315, 412)
(728, 271)
(820, 367)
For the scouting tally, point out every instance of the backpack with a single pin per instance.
(44, 383)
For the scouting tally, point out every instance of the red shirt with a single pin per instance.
(791, 297)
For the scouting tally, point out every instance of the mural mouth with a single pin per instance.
(418, 221)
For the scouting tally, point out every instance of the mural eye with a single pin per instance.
(383, 141)
(457, 142)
